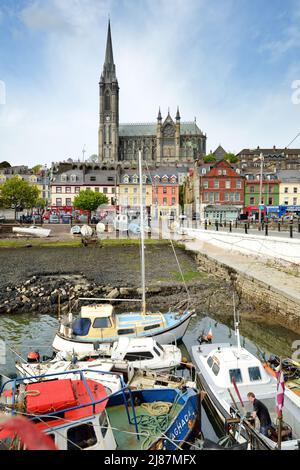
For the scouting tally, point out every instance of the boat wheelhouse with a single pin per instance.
(99, 324)
(220, 366)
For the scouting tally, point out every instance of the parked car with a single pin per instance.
(54, 219)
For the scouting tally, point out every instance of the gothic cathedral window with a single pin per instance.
(107, 101)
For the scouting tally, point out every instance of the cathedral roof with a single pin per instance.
(149, 129)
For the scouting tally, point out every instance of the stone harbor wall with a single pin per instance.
(268, 302)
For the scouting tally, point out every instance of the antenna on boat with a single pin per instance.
(142, 236)
(236, 325)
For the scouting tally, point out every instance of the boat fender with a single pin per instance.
(33, 356)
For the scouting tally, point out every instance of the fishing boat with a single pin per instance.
(33, 230)
(227, 373)
(124, 354)
(80, 414)
(98, 324)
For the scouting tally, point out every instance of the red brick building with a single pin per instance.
(222, 185)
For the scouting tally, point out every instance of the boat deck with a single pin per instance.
(126, 441)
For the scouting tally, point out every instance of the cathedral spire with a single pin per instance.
(159, 118)
(178, 114)
(109, 57)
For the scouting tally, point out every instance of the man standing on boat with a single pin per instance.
(262, 413)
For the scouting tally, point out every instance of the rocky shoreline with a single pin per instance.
(53, 293)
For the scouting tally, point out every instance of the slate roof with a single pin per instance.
(149, 129)
(289, 176)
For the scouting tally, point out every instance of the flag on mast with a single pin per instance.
(280, 393)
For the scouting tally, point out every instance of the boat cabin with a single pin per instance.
(225, 364)
(136, 349)
(100, 322)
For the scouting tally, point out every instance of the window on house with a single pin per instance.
(125, 190)
(286, 201)
(58, 189)
(165, 190)
(59, 201)
(68, 189)
(219, 172)
(217, 196)
(216, 184)
(227, 185)
(173, 201)
(92, 178)
(252, 201)
(88, 189)
(110, 178)
(205, 196)
(96, 190)
(239, 184)
(224, 172)
(68, 202)
(77, 189)
(211, 197)
(295, 190)
(165, 201)
(294, 201)
(270, 201)
(73, 178)
(286, 190)
(205, 184)
(252, 189)
(81, 437)
(231, 197)
(237, 196)
(227, 197)
(113, 190)
(173, 190)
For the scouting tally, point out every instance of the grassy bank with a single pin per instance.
(43, 243)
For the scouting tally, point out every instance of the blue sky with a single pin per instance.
(229, 63)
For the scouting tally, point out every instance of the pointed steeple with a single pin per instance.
(109, 68)
(178, 114)
(159, 118)
(109, 57)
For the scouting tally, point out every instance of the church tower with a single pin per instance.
(109, 107)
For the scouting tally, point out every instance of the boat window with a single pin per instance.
(139, 355)
(157, 351)
(236, 374)
(126, 332)
(150, 327)
(254, 374)
(101, 322)
(81, 437)
(81, 326)
(160, 347)
(103, 424)
(210, 361)
(215, 368)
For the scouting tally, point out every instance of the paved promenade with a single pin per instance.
(280, 281)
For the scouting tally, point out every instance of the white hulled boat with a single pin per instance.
(218, 364)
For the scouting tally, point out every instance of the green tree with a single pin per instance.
(209, 158)
(5, 165)
(36, 169)
(230, 157)
(89, 200)
(181, 196)
(17, 194)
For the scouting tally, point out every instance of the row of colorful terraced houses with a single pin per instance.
(216, 190)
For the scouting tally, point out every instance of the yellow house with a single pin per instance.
(289, 187)
(129, 190)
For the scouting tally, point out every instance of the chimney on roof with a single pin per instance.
(274, 147)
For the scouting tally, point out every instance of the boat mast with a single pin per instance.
(236, 326)
(142, 236)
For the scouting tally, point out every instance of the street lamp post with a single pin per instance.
(260, 187)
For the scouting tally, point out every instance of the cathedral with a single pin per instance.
(166, 142)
